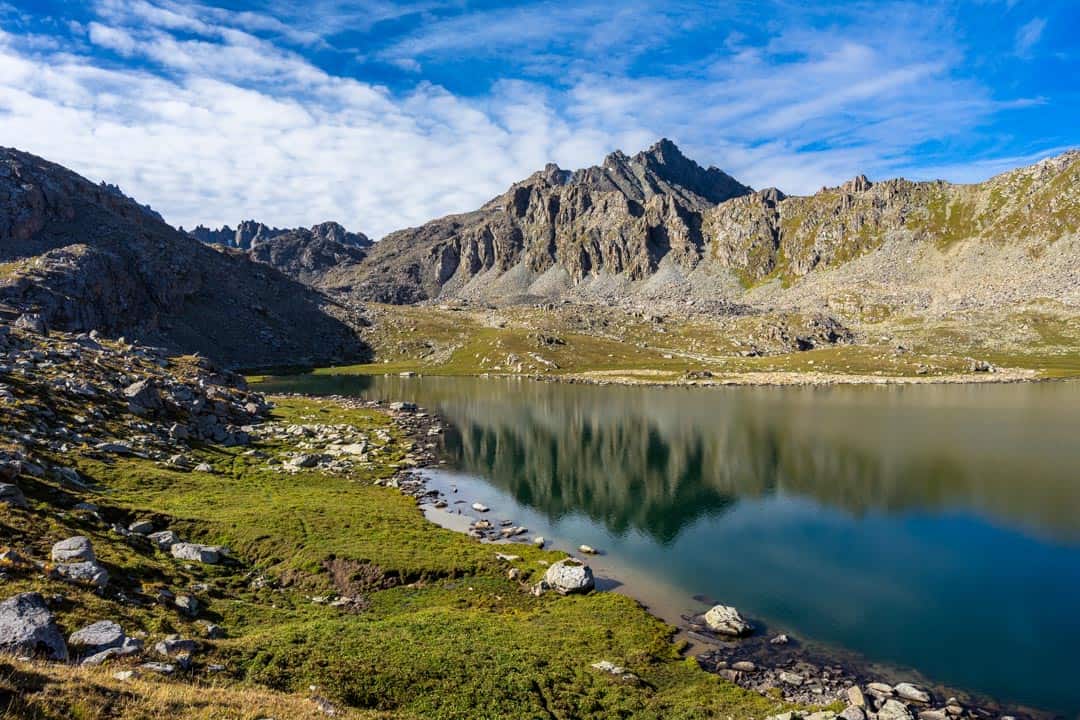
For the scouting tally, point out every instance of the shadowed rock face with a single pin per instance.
(86, 257)
(622, 218)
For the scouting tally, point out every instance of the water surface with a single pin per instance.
(932, 527)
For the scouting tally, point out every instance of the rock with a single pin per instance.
(791, 678)
(130, 646)
(303, 461)
(403, 406)
(954, 709)
(480, 507)
(124, 675)
(204, 468)
(142, 527)
(780, 639)
(744, 666)
(911, 693)
(74, 549)
(894, 710)
(143, 397)
(32, 322)
(570, 576)
(726, 620)
(159, 668)
(12, 496)
(855, 696)
(539, 541)
(880, 689)
(212, 631)
(164, 539)
(586, 549)
(97, 637)
(175, 645)
(933, 715)
(199, 553)
(821, 715)
(514, 574)
(87, 573)
(507, 558)
(853, 712)
(28, 628)
(188, 605)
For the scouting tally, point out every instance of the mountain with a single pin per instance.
(658, 227)
(304, 254)
(85, 257)
(621, 219)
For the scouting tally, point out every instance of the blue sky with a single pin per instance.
(384, 114)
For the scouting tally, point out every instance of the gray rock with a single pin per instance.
(28, 628)
(143, 397)
(74, 549)
(791, 678)
(175, 645)
(726, 620)
(159, 668)
(12, 495)
(88, 573)
(95, 638)
(894, 710)
(164, 539)
(204, 468)
(744, 666)
(853, 712)
(32, 322)
(142, 527)
(199, 553)
(856, 697)
(912, 693)
(570, 576)
(933, 715)
(130, 646)
(188, 605)
(780, 639)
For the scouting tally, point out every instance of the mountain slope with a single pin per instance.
(86, 257)
(657, 227)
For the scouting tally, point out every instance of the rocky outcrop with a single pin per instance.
(27, 627)
(621, 218)
(85, 257)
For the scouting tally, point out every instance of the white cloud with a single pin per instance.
(1029, 35)
(213, 121)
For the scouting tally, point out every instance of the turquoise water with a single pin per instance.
(930, 527)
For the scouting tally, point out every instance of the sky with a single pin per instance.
(383, 114)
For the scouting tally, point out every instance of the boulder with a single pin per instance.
(32, 322)
(97, 637)
(143, 397)
(175, 645)
(74, 549)
(911, 693)
(28, 628)
(894, 710)
(570, 576)
(726, 620)
(855, 696)
(142, 527)
(87, 573)
(853, 712)
(199, 553)
(164, 539)
(12, 495)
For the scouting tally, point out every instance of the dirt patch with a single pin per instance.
(354, 578)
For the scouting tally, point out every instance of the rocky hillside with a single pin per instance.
(659, 227)
(85, 257)
(621, 219)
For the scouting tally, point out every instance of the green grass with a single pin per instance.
(443, 632)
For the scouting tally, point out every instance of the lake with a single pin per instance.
(934, 527)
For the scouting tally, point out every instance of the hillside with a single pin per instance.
(656, 227)
(85, 257)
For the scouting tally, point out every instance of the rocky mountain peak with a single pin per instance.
(857, 184)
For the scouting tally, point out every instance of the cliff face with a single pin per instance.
(657, 225)
(621, 218)
(86, 257)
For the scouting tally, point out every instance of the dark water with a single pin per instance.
(932, 527)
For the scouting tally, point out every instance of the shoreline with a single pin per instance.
(758, 662)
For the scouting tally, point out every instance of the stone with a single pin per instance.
(586, 549)
(204, 468)
(27, 627)
(199, 553)
(570, 576)
(933, 715)
(212, 631)
(12, 496)
(164, 539)
(88, 572)
(539, 541)
(99, 636)
(142, 527)
(159, 668)
(853, 712)
(912, 693)
(744, 666)
(188, 605)
(143, 397)
(894, 710)
(821, 715)
(790, 678)
(32, 322)
(879, 688)
(480, 507)
(74, 549)
(726, 620)
(855, 696)
(403, 406)
(780, 639)
(303, 461)
(124, 675)
(175, 645)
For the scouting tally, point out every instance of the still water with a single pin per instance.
(927, 527)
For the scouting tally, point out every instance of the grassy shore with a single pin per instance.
(436, 628)
(612, 346)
